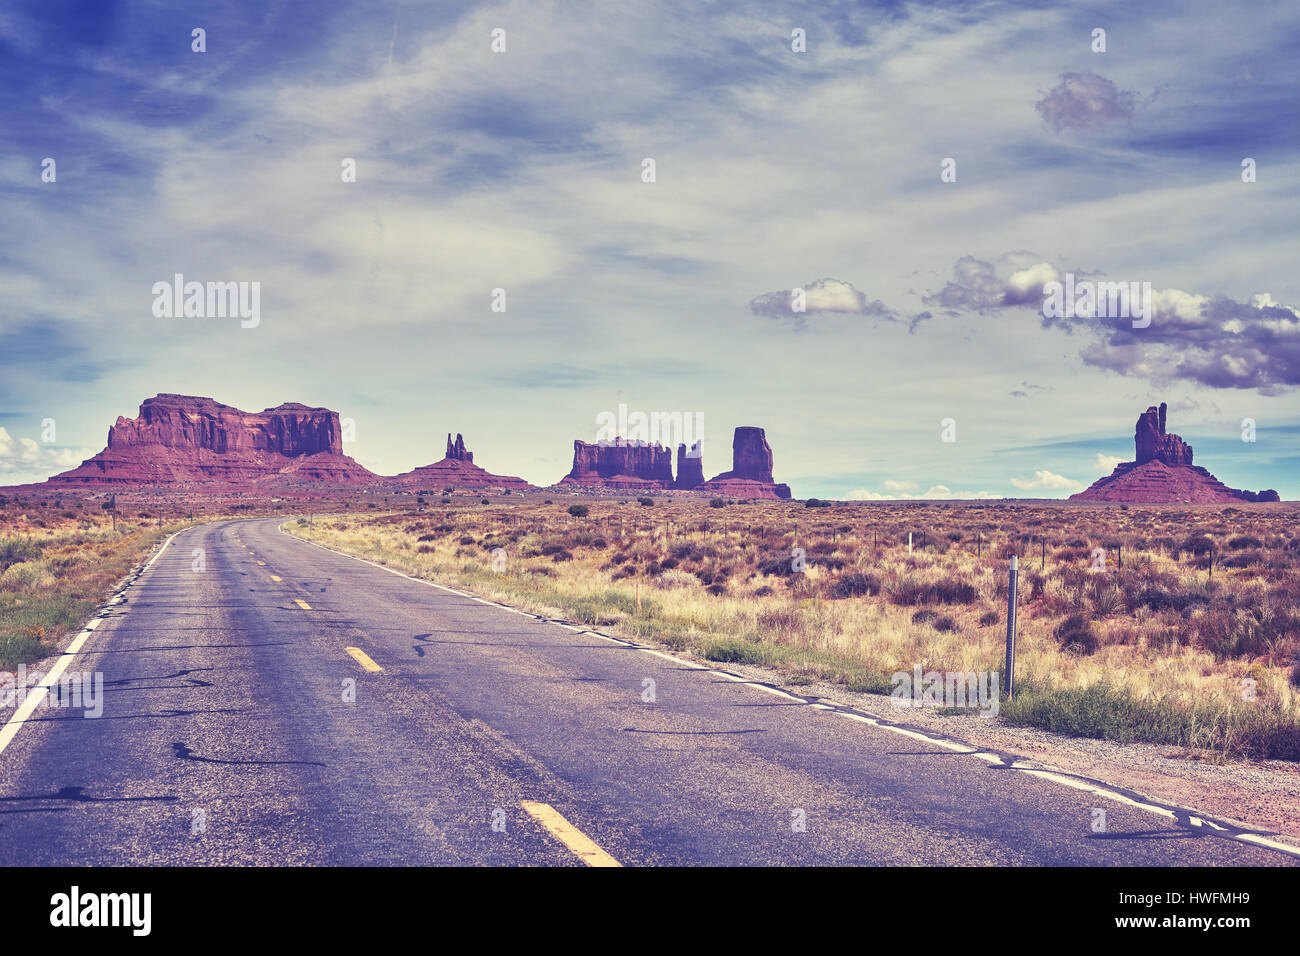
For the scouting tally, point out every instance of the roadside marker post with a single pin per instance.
(1009, 673)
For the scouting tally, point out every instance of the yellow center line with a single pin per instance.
(263, 563)
(276, 577)
(363, 659)
(302, 604)
(582, 845)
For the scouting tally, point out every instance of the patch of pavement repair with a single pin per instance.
(1059, 759)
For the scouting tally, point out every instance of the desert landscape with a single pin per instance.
(555, 435)
(1158, 605)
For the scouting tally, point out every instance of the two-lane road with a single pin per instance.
(285, 704)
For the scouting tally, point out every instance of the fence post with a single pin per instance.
(909, 542)
(1009, 673)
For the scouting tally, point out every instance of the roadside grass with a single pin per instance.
(52, 581)
(1156, 651)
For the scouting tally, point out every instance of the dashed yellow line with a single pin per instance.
(276, 577)
(583, 847)
(263, 563)
(302, 604)
(362, 658)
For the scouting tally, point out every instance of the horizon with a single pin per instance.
(903, 494)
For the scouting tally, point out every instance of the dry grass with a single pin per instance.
(59, 560)
(1204, 612)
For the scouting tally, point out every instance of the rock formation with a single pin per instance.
(456, 451)
(1163, 472)
(690, 467)
(1154, 443)
(751, 468)
(621, 463)
(457, 470)
(187, 440)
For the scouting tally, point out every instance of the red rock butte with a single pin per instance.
(628, 464)
(187, 441)
(751, 468)
(1163, 472)
(621, 463)
(456, 470)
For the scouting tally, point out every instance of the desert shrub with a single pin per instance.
(855, 585)
(910, 592)
(1243, 541)
(1158, 598)
(579, 511)
(645, 502)
(717, 503)
(675, 578)
(1246, 560)
(562, 555)
(989, 618)
(778, 566)
(1075, 634)
(24, 576)
(687, 551)
(1196, 544)
(925, 616)
(717, 590)
(945, 624)
(766, 591)
(816, 503)
(17, 550)
(425, 549)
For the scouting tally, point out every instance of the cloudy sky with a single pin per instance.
(774, 170)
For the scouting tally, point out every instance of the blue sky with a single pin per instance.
(774, 170)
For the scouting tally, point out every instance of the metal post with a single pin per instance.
(1009, 674)
(909, 542)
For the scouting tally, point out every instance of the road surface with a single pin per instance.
(477, 735)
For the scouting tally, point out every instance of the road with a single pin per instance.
(228, 737)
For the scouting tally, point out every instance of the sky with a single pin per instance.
(919, 171)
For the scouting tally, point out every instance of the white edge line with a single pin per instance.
(947, 744)
(38, 694)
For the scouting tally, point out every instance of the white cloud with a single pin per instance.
(1105, 464)
(1048, 480)
(901, 486)
(934, 493)
(24, 459)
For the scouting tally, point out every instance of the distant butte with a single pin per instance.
(189, 441)
(456, 470)
(751, 468)
(621, 463)
(1163, 472)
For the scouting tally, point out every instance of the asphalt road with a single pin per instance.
(226, 738)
